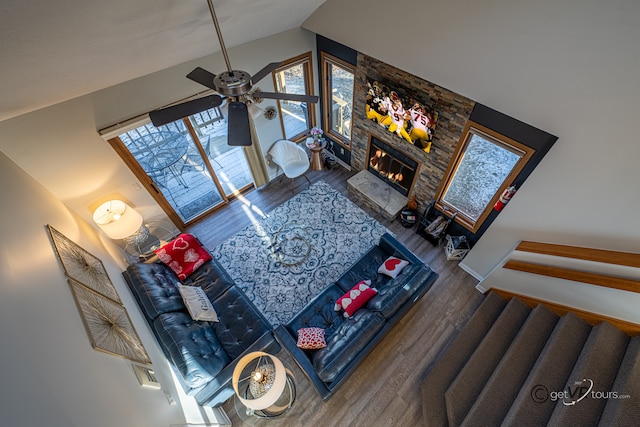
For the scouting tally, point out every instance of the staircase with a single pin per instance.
(513, 365)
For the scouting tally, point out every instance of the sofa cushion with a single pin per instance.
(197, 303)
(365, 268)
(345, 343)
(239, 324)
(355, 298)
(392, 266)
(183, 255)
(212, 278)
(192, 346)
(344, 337)
(154, 286)
(393, 293)
(311, 338)
(319, 312)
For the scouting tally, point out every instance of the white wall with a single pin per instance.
(60, 147)
(50, 373)
(568, 67)
(54, 168)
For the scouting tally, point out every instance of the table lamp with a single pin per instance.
(120, 221)
(263, 385)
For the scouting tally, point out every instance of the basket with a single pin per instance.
(408, 217)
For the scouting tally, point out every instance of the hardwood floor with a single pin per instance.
(383, 391)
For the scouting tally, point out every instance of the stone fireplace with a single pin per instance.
(391, 165)
(453, 111)
(387, 181)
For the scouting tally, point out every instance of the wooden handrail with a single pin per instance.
(575, 275)
(588, 254)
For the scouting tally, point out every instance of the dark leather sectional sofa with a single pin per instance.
(203, 354)
(350, 340)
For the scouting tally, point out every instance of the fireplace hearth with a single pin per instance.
(391, 165)
(387, 181)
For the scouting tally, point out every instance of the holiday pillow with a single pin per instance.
(183, 255)
(356, 297)
(197, 302)
(311, 338)
(392, 266)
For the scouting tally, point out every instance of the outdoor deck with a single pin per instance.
(188, 185)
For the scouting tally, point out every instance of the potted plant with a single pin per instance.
(316, 133)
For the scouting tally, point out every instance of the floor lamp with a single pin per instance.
(120, 221)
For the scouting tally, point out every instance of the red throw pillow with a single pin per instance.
(183, 255)
(354, 299)
(392, 266)
(311, 338)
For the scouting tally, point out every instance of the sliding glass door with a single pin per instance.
(186, 165)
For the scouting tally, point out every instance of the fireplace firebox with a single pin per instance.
(391, 165)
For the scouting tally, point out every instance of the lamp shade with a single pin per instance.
(277, 380)
(117, 219)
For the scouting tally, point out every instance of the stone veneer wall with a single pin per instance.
(453, 110)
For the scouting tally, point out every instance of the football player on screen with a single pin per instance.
(421, 127)
(374, 107)
(397, 115)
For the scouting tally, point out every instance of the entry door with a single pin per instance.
(186, 165)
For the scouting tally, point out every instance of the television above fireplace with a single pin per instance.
(401, 112)
(391, 165)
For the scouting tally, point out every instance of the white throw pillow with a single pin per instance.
(392, 266)
(197, 303)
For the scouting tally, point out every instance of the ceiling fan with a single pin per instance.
(236, 85)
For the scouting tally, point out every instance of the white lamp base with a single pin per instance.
(138, 237)
(281, 406)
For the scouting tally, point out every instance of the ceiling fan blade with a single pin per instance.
(202, 76)
(175, 112)
(239, 132)
(262, 73)
(287, 96)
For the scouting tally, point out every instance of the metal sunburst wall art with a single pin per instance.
(108, 325)
(105, 318)
(83, 267)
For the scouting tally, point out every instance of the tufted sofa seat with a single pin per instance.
(350, 340)
(203, 354)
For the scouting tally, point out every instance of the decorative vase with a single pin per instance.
(412, 204)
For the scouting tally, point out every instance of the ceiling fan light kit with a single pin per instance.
(235, 87)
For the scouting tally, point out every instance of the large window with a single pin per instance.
(338, 77)
(484, 165)
(295, 76)
(186, 165)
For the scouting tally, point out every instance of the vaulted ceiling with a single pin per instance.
(52, 51)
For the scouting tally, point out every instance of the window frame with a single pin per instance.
(306, 61)
(328, 60)
(472, 128)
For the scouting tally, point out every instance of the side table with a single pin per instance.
(161, 231)
(317, 162)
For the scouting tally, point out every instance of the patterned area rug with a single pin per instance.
(283, 261)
